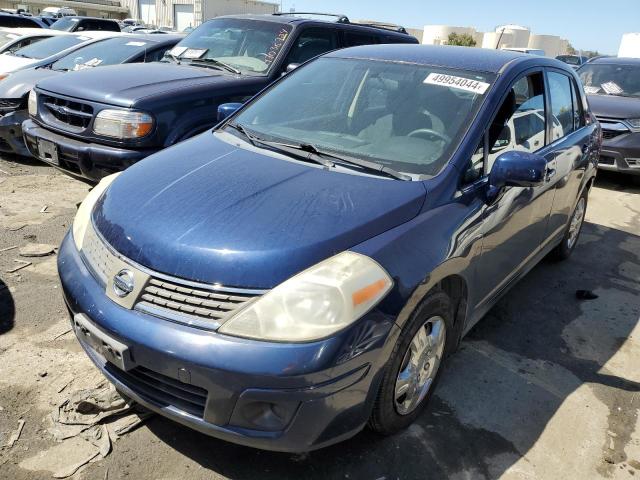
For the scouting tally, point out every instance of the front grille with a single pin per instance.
(10, 104)
(208, 305)
(606, 160)
(76, 115)
(97, 256)
(162, 390)
(633, 162)
(609, 134)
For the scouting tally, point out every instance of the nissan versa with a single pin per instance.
(304, 269)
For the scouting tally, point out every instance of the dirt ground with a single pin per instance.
(545, 387)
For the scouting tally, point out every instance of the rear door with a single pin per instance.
(571, 141)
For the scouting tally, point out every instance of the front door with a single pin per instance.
(514, 224)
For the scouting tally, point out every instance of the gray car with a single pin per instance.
(14, 90)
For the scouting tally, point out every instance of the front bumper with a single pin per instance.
(89, 161)
(321, 392)
(11, 140)
(621, 153)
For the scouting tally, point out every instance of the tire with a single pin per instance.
(572, 232)
(390, 412)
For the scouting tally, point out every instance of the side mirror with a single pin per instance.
(227, 109)
(517, 169)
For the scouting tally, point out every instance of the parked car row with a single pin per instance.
(63, 19)
(296, 220)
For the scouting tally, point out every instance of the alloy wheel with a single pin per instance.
(576, 222)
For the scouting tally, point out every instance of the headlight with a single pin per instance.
(634, 122)
(83, 215)
(32, 103)
(315, 303)
(123, 124)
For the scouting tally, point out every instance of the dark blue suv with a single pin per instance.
(90, 124)
(304, 269)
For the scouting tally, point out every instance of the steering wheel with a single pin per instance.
(429, 133)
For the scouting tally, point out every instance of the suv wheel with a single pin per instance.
(415, 364)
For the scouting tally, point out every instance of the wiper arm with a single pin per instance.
(364, 164)
(291, 149)
(217, 63)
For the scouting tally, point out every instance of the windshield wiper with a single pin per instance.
(216, 63)
(289, 148)
(367, 165)
(175, 59)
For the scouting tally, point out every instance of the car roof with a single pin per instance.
(617, 60)
(80, 17)
(463, 58)
(150, 37)
(294, 19)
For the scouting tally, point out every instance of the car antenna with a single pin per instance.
(500, 38)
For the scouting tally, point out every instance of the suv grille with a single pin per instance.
(609, 134)
(162, 390)
(205, 304)
(74, 114)
(97, 256)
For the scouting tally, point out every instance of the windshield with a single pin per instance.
(247, 45)
(611, 79)
(107, 52)
(65, 24)
(405, 116)
(50, 46)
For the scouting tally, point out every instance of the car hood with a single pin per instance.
(19, 83)
(610, 106)
(209, 211)
(123, 85)
(10, 63)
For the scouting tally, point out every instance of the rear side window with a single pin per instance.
(11, 21)
(562, 101)
(353, 39)
(311, 43)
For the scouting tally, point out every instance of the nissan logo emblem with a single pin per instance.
(123, 283)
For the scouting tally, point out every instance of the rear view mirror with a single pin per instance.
(227, 109)
(517, 169)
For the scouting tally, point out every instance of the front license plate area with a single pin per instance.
(108, 347)
(48, 151)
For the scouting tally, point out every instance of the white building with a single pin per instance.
(180, 14)
(551, 44)
(519, 35)
(438, 34)
(630, 45)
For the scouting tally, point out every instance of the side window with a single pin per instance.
(578, 117)
(475, 168)
(354, 39)
(311, 43)
(520, 122)
(563, 114)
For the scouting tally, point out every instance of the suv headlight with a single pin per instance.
(315, 303)
(634, 122)
(123, 124)
(83, 215)
(32, 103)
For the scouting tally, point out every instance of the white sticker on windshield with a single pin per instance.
(177, 51)
(612, 88)
(94, 62)
(460, 83)
(136, 44)
(590, 89)
(194, 52)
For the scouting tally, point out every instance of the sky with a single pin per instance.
(587, 24)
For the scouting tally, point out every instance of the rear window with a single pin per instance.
(50, 46)
(68, 24)
(13, 21)
(107, 52)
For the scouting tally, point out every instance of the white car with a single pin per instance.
(12, 39)
(49, 49)
(58, 12)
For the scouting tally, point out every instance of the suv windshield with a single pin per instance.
(107, 52)
(67, 24)
(246, 45)
(407, 117)
(50, 46)
(611, 79)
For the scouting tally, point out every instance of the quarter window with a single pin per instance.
(520, 123)
(353, 39)
(562, 111)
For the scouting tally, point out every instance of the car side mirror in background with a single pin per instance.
(227, 109)
(516, 169)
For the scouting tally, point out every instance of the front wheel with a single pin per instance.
(572, 233)
(414, 367)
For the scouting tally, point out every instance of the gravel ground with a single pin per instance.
(545, 387)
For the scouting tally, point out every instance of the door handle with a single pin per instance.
(551, 172)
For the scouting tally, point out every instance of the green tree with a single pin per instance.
(462, 40)
(571, 50)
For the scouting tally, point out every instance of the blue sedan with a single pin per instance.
(304, 269)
